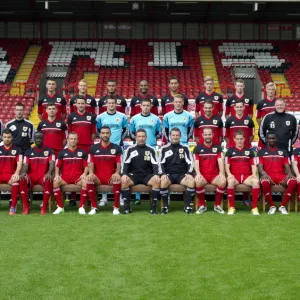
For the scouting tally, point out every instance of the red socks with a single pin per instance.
(219, 195)
(58, 197)
(92, 194)
(116, 191)
(24, 193)
(83, 196)
(14, 194)
(200, 195)
(47, 193)
(291, 185)
(231, 196)
(266, 187)
(255, 196)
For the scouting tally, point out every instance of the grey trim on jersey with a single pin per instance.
(189, 159)
(261, 132)
(124, 158)
(33, 128)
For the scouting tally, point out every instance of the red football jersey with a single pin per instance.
(216, 99)
(72, 163)
(91, 104)
(235, 99)
(59, 101)
(9, 157)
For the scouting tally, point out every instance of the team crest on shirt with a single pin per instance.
(25, 128)
(13, 152)
(58, 99)
(88, 101)
(247, 152)
(57, 124)
(79, 154)
(113, 151)
(119, 101)
(288, 123)
(180, 150)
(246, 122)
(13, 128)
(280, 152)
(215, 122)
(46, 153)
(147, 152)
(88, 118)
(151, 121)
(216, 97)
(184, 119)
(214, 150)
(246, 100)
(117, 119)
(137, 101)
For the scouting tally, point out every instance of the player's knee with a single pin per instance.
(222, 183)
(199, 183)
(255, 182)
(164, 183)
(230, 182)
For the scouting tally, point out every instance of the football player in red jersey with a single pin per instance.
(10, 166)
(84, 124)
(274, 168)
(52, 97)
(91, 103)
(295, 165)
(136, 102)
(105, 165)
(240, 167)
(167, 101)
(72, 168)
(209, 167)
(208, 120)
(38, 169)
(209, 94)
(239, 96)
(54, 130)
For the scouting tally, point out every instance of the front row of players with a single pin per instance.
(102, 166)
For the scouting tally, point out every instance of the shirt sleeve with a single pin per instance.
(186, 103)
(189, 160)
(40, 106)
(197, 108)
(59, 160)
(260, 159)
(251, 105)
(63, 105)
(227, 157)
(221, 103)
(258, 110)
(154, 162)
(94, 124)
(99, 122)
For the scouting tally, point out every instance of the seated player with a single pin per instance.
(140, 166)
(37, 168)
(105, 166)
(10, 166)
(240, 167)
(295, 165)
(274, 168)
(177, 166)
(71, 168)
(209, 167)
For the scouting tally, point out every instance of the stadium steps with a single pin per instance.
(25, 69)
(34, 118)
(208, 66)
(282, 85)
(91, 79)
(255, 124)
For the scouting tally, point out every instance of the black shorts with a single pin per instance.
(140, 178)
(176, 178)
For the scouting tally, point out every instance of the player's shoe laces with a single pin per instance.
(255, 211)
(43, 210)
(231, 211)
(116, 211)
(272, 210)
(25, 211)
(188, 210)
(283, 210)
(93, 211)
(72, 202)
(81, 211)
(126, 211)
(164, 210)
(12, 211)
(201, 210)
(103, 202)
(58, 211)
(219, 209)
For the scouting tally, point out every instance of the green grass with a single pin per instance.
(141, 256)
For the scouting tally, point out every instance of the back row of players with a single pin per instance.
(145, 126)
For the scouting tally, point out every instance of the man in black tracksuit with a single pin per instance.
(283, 124)
(140, 166)
(177, 167)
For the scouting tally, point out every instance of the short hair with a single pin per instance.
(111, 80)
(72, 133)
(105, 127)
(50, 79)
(238, 102)
(83, 80)
(173, 78)
(175, 129)
(38, 132)
(81, 97)
(271, 84)
(239, 132)
(111, 98)
(146, 100)
(180, 96)
(141, 130)
(20, 104)
(208, 78)
(240, 81)
(207, 128)
(280, 99)
(208, 101)
(50, 104)
(7, 131)
(271, 132)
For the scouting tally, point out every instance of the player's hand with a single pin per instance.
(125, 179)
(156, 178)
(57, 178)
(48, 177)
(164, 177)
(290, 176)
(298, 178)
(221, 176)
(83, 177)
(265, 176)
(15, 177)
(116, 177)
(189, 177)
(22, 176)
(199, 177)
(230, 176)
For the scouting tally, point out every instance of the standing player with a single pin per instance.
(22, 129)
(240, 167)
(84, 124)
(121, 103)
(71, 168)
(136, 102)
(209, 167)
(208, 120)
(179, 118)
(167, 101)
(148, 121)
(91, 103)
(177, 166)
(274, 168)
(38, 168)
(105, 165)
(239, 122)
(10, 165)
(52, 97)
(54, 130)
(209, 94)
(140, 166)
(239, 97)
(266, 106)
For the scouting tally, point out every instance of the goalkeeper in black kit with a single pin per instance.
(140, 166)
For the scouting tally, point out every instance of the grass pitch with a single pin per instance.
(141, 256)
